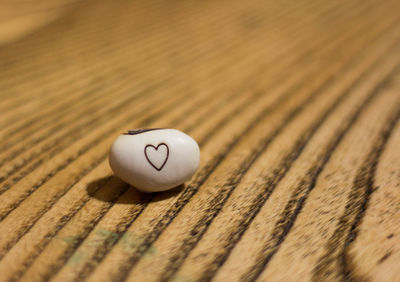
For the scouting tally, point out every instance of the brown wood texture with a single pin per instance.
(295, 106)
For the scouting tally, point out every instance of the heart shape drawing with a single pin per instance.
(157, 156)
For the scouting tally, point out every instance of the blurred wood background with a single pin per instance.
(295, 105)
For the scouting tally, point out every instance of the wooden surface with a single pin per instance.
(295, 105)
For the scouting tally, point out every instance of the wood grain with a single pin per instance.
(295, 106)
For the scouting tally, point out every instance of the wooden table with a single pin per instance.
(295, 105)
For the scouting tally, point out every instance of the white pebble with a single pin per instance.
(154, 160)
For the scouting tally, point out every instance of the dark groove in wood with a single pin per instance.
(88, 228)
(32, 121)
(51, 235)
(102, 250)
(296, 203)
(84, 172)
(356, 206)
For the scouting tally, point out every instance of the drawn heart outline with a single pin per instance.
(156, 149)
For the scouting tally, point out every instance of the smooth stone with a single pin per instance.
(154, 160)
